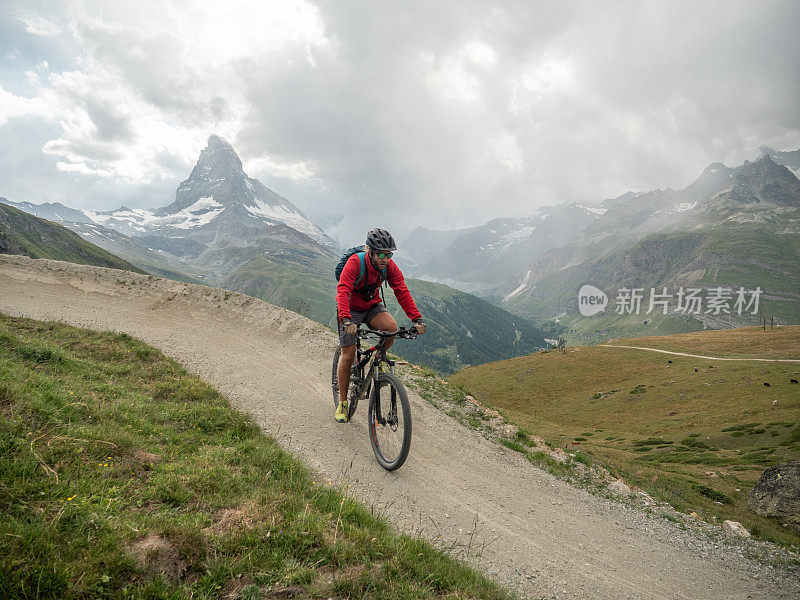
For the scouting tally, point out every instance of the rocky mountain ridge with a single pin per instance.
(218, 195)
(790, 160)
(731, 228)
(728, 227)
(52, 211)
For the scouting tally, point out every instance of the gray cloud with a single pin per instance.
(219, 108)
(656, 92)
(112, 126)
(31, 175)
(452, 113)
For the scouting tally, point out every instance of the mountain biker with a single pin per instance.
(355, 306)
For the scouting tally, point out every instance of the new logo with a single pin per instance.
(591, 300)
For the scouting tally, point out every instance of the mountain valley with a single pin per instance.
(226, 229)
(731, 229)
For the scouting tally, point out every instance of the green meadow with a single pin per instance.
(696, 433)
(123, 476)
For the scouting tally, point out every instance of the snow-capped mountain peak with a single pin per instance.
(218, 193)
(219, 174)
(220, 154)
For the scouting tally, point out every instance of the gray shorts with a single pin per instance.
(358, 317)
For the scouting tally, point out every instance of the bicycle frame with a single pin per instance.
(366, 361)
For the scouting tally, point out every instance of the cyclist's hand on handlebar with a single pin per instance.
(419, 327)
(349, 327)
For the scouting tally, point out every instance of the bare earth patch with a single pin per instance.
(157, 555)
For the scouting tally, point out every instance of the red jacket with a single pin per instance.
(346, 300)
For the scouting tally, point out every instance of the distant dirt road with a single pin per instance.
(534, 533)
(781, 360)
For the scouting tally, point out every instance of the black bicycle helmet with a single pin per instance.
(381, 240)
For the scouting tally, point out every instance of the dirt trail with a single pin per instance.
(530, 531)
(781, 360)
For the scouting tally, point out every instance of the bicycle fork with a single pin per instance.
(391, 417)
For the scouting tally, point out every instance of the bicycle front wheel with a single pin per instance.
(389, 418)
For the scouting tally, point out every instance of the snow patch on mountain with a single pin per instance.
(141, 219)
(283, 214)
(684, 206)
(521, 287)
(198, 214)
(509, 239)
(520, 234)
(596, 210)
(135, 218)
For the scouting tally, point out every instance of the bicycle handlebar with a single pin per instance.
(402, 332)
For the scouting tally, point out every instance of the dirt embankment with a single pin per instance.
(529, 530)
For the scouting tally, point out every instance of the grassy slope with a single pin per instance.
(462, 329)
(598, 328)
(137, 253)
(758, 256)
(745, 342)
(21, 233)
(689, 438)
(122, 476)
(298, 279)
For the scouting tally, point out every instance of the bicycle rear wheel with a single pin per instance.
(389, 418)
(335, 375)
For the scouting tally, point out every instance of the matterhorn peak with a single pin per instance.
(218, 155)
(217, 141)
(217, 174)
(218, 193)
(219, 144)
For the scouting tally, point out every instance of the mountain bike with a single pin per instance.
(389, 413)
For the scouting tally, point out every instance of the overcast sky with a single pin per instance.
(391, 114)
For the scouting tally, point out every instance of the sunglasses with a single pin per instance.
(381, 255)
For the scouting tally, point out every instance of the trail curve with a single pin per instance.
(528, 530)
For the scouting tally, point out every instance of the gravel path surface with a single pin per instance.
(532, 532)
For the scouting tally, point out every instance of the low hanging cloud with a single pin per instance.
(440, 114)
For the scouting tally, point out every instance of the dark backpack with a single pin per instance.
(365, 290)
